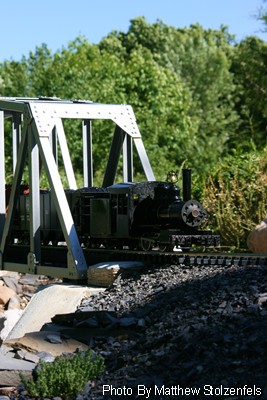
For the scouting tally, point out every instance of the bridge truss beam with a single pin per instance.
(37, 134)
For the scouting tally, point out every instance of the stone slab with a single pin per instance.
(104, 274)
(31, 279)
(10, 369)
(5, 294)
(9, 273)
(47, 302)
(12, 283)
(37, 342)
(8, 321)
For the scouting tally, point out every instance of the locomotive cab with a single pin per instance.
(122, 204)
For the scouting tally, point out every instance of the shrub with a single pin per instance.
(236, 195)
(65, 376)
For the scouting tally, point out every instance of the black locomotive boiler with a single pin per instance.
(142, 215)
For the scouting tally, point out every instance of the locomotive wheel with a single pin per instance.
(163, 247)
(91, 243)
(145, 244)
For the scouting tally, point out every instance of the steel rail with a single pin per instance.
(54, 255)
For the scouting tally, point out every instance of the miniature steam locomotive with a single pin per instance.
(141, 215)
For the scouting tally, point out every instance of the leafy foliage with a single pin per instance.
(249, 68)
(236, 194)
(13, 79)
(65, 376)
(262, 15)
(201, 60)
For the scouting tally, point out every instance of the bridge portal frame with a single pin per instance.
(37, 133)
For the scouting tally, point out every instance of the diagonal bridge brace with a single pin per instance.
(42, 130)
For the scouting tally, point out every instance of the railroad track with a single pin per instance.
(54, 257)
(185, 258)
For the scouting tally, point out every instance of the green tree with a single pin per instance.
(201, 60)
(13, 79)
(262, 15)
(194, 92)
(249, 69)
(159, 98)
(13, 83)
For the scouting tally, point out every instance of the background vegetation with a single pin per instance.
(199, 97)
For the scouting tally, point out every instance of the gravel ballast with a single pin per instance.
(197, 332)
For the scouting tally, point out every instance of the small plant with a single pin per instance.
(66, 376)
(236, 194)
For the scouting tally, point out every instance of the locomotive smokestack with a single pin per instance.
(186, 184)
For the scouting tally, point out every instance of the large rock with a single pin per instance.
(11, 274)
(8, 321)
(11, 368)
(257, 239)
(37, 342)
(5, 294)
(45, 304)
(104, 274)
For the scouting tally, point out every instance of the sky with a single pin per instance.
(26, 24)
